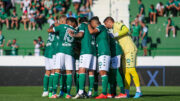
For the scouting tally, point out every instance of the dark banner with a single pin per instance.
(30, 76)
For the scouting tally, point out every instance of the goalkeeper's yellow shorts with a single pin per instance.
(129, 59)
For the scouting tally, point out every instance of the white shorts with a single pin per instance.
(93, 64)
(48, 63)
(54, 61)
(64, 61)
(115, 62)
(76, 65)
(85, 60)
(104, 62)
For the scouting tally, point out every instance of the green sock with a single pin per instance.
(104, 84)
(45, 82)
(69, 83)
(82, 78)
(91, 82)
(55, 82)
(64, 83)
(61, 82)
(120, 81)
(77, 81)
(112, 81)
(51, 82)
(95, 84)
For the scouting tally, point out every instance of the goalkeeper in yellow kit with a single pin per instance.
(120, 33)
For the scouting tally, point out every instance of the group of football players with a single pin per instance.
(88, 48)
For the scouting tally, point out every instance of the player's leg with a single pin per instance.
(69, 64)
(111, 82)
(84, 63)
(130, 67)
(58, 59)
(46, 78)
(91, 70)
(127, 77)
(104, 62)
(77, 75)
(96, 74)
(116, 67)
(56, 76)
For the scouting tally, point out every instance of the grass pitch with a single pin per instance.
(33, 93)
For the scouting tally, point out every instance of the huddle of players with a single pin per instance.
(99, 51)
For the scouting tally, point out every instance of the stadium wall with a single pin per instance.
(29, 70)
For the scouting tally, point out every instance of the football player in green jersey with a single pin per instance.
(65, 52)
(102, 41)
(114, 73)
(48, 77)
(86, 60)
(56, 71)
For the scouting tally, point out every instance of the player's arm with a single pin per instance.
(53, 28)
(92, 31)
(145, 31)
(141, 11)
(8, 43)
(124, 30)
(143, 36)
(78, 35)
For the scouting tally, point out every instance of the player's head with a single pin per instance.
(14, 41)
(169, 19)
(95, 22)
(35, 41)
(39, 38)
(83, 19)
(139, 1)
(72, 21)
(62, 19)
(109, 21)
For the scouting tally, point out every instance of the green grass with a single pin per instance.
(33, 93)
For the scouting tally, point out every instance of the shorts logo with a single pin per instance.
(128, 60)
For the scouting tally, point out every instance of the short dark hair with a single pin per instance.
(96, 19)
(62, 16)
(39, 37)
(72, 19)
(169, 18)
(35, 40)
(140, 0)
(108, 18)
(83, 19)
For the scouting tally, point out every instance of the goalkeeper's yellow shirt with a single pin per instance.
(124, 38)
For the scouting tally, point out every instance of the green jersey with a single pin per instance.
(152, 10)
(3, 16)
(55, 43)
(14, 49)
(49, 47)
(136, 30)
(114, 46)
(66, 42)
(140, 7)
(102, 41)
(86, 40)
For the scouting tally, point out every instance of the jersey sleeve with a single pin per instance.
(120, 29)
(99, 28)
(57, 28)
(81, 28)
